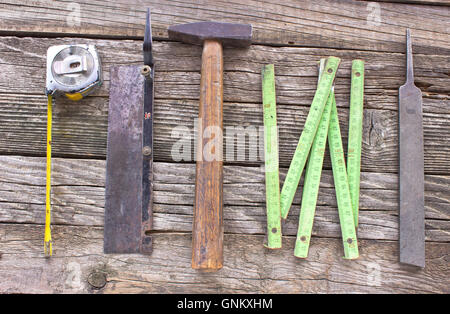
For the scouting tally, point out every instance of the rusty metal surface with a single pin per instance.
(123, 195)
(147, 141)
(411, 176)
(229, 34)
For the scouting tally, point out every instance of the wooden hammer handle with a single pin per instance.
(207, 234)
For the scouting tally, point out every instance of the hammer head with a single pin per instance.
(229, 34)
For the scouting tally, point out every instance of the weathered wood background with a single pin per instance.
(293, 35)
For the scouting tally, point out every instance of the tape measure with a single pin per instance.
(304, 144)
(271, 158)
(312, 180)
(73, 71)
(355, 134)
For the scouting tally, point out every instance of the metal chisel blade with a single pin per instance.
(411, 173)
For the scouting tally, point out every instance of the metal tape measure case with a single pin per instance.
(72, 70)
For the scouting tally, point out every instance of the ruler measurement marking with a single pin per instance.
(306, 138)
(273, 211)
(341, 186)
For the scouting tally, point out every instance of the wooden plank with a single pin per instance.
(338, 24)
(78, 193)
(424, 2)
(78, 266)
(80, 128)
(178, 71)
(78, 199)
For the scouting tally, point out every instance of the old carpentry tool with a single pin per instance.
(271, 158)
(412, 208)
(306, 138)
(73, 71)
(207, 234)
(341, 186)
(129, 162)
(311, 184)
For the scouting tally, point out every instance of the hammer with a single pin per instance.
(207, 233)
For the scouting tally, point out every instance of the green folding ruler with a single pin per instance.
(312, 180)
(355, 134)
(344, 201)
(271, 158)
(306, 138)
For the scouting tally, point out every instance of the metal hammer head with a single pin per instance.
(229, 34)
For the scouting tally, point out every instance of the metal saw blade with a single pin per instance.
(124, 217)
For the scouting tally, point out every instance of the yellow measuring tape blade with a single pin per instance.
(48, 235)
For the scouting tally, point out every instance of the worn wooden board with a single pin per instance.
(80, 129)
(337, 24)
(178, 74)
(78, 267)
(78, 199)
(430, 2)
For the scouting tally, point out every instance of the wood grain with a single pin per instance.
(178, 75)
(338, 24)
(78, 199)
(425, 2)
(248, 267)
(293, 35)
(207, 232)
(80, 129)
